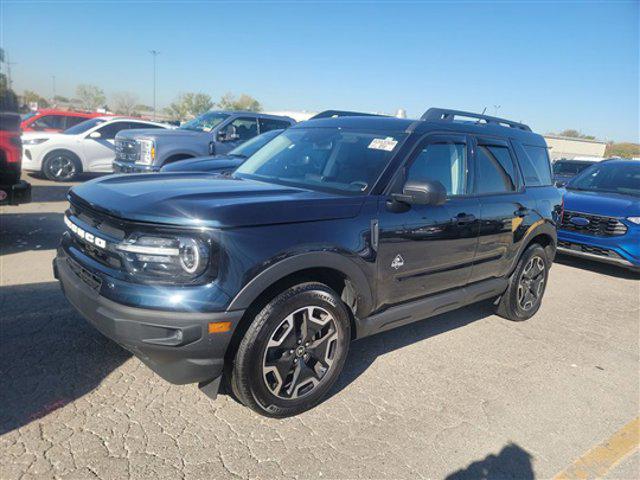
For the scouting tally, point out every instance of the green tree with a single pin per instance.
(571, 133)
(124, 103)
(8, 98)
(189, 105)
(90, 96)
(244, 102)
(29, 96)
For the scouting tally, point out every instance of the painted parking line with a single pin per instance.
(602, 458)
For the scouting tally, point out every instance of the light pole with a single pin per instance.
(53, 88)
(155, 54)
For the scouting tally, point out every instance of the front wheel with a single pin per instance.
(293, 352)
(61, 166)
(526, 286)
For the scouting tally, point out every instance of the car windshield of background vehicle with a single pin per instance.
(205, 122)
(250, 147)
(611, 178)
(331, 159)
(569, 168)
(84, 126)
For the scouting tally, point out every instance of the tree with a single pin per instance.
(29, 96)
(124, 103)
(90, 96)
(8, 98)
(244, 102)
(624, 150)
(189, 105)
(61, 99)
(571, 133)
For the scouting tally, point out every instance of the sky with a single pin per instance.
(552, 65)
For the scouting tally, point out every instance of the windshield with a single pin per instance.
(84, 126)
(205, 122)
(569, 168)
(323, 158)
(250, 147)
(620, 178)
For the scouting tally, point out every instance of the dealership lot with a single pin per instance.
(460, 395)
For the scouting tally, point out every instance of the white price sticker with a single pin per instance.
(386, 144)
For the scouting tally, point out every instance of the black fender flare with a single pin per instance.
(542, 227)
(304, 261)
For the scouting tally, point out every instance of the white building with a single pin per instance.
(570, 148)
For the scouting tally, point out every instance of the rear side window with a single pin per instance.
(495, 172)
(72, 121)
(49, 122)
(535, 165)
(267, 124)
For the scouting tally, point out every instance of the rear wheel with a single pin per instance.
(526, 286)
(293, 352)
(61, 166)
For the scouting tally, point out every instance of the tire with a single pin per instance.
(277, 345)
(61, 166)
(526, 287)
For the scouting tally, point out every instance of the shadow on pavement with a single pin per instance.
(596, 267)
(513, 462)
(49, 355)
(20, 232)
(363, 352)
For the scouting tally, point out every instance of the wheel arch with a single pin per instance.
(544, 235)
(69, 151)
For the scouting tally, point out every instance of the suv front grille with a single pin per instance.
(127, 150)
(103, 224)
(592, 224)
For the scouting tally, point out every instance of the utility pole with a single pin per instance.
(53, 85)
(9, 81)
(155, 54)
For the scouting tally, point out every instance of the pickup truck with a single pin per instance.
(213, 133)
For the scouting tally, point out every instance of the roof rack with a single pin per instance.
(446, 115)
(342, 113)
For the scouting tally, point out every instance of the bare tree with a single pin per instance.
(125, 103)
(90, 96)
(189, 105)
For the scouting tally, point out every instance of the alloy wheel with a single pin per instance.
(531, 283)
(61, 167)
(300, 352)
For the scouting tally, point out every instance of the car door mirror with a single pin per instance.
(422, 192)
(95, 135)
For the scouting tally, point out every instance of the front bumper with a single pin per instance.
(128, 167)
(16, 193)
(623, 250)
(175, 345)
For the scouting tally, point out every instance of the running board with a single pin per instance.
(430, 306)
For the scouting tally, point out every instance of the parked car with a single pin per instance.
(86, 147)
(338, 229)
(223, 163)
(212, 133)
(50, 120)
(564, 170)
(601, 219)
(13, 191)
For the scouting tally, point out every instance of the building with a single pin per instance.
(570, 148)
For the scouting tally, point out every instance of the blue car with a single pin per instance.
(223, 163)
(601, 218)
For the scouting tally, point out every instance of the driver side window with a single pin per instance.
(241, 129)
(445, 162)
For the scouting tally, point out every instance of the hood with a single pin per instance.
(205, 164)
(600, 203)
(161, 133)
(203, 199)
(48, 135)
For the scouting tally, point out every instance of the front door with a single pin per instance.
(426, 249)
(235, 133)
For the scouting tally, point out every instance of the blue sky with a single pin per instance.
(554, 65)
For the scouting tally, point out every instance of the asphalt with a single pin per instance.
(460, 396)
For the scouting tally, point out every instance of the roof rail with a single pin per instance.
(446, 115)
(342, 113)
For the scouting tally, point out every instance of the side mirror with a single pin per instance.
(422, 192)
(95, 135)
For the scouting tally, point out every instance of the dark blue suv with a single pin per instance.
(337, 229)
(601, 219)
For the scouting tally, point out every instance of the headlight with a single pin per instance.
(34, 141)
(177, 259)
(635, 220)
(147, 152)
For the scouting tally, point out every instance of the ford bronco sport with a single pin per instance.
(337, 229)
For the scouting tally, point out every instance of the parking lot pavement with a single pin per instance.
(462, 395)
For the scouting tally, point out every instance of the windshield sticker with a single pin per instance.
(386, 144)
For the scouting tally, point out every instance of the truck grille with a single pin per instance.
(592, 224)
(127, 150)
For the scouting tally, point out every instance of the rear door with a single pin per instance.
(425, 249)
(505, 208)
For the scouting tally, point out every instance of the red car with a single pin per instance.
(12, 190)
(51, 120)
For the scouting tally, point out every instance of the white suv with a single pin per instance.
(86, 147)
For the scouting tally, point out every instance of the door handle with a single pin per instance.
(464, 218)
(522, 212)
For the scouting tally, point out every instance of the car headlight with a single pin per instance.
(147, 152)
(34, 141)
(178, 259)
(635, 220)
